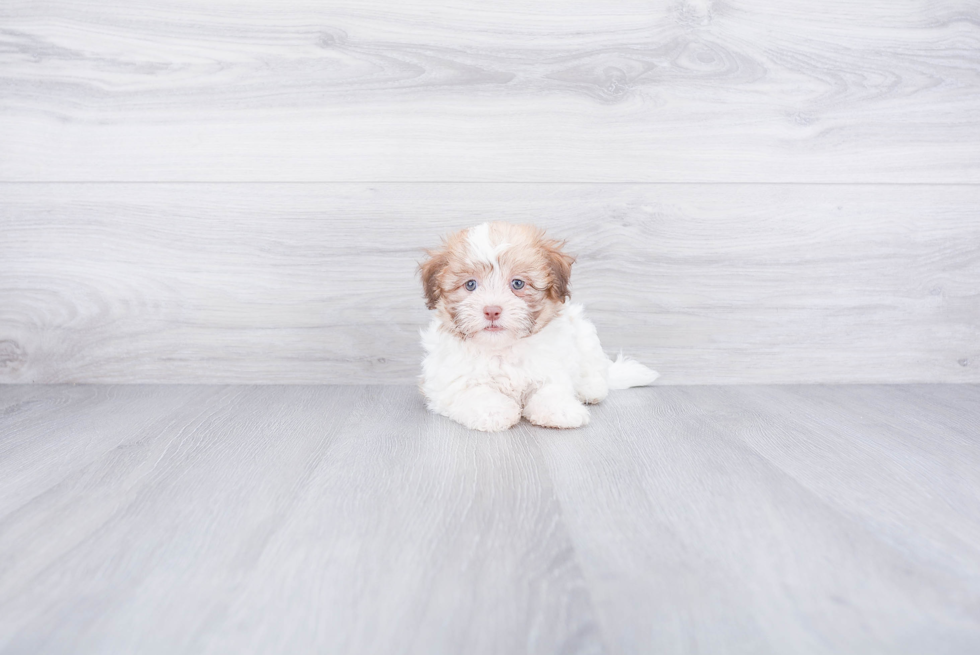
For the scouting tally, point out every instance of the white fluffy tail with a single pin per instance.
(625, 373)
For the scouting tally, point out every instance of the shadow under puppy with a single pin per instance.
(504, 343)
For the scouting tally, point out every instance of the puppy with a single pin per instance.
(503, 343)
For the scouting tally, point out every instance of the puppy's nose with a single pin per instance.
(492, 312)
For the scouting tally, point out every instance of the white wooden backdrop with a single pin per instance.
(239, 191)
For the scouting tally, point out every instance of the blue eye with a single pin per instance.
(517, 285)
(470, 285)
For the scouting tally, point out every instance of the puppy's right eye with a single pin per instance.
(470, 285)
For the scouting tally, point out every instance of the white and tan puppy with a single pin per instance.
(503, 342)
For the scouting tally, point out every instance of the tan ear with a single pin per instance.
(561, 269)
(430, 270)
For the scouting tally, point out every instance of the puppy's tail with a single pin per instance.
(625, 373)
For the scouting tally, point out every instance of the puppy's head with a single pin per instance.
(496, 281)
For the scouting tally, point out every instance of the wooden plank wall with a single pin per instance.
(239, 191)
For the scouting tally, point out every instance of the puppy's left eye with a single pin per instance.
(517, 285)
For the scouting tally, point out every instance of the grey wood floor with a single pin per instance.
(296, 519)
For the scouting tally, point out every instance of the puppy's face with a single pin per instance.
(496, 281)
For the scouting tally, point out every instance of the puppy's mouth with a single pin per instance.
(493, 327)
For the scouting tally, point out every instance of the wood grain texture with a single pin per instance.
(196, 519)
(777, 519)
(277, 520)
(312, 283)
(662, 91)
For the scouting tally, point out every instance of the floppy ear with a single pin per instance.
(430, 270)
(560, 264)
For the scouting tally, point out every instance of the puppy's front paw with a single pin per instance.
(556, 408)
(488, 412)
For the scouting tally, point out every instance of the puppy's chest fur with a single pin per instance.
(517, 369)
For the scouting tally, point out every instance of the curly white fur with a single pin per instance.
(540, 359)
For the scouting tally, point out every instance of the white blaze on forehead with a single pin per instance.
(480, 246)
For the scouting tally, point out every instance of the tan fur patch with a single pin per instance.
(434, 268)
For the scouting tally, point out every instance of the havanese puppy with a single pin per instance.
(504, 343)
